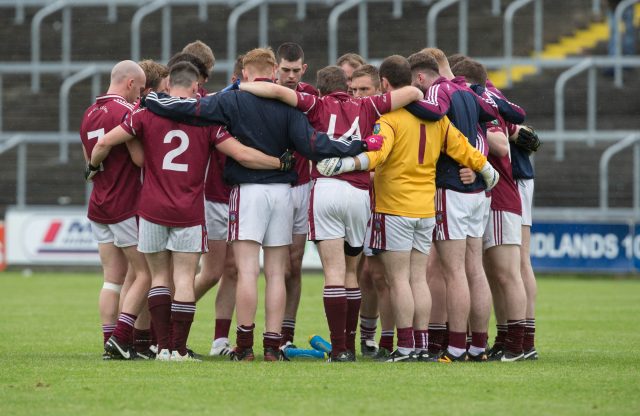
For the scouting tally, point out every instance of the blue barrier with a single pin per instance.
(586, 247)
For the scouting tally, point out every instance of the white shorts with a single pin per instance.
(338, 210)
(367, 251)
(217, 215)
(503, 228)
(121, 234)
(300, 197)
(261, 213)
(525, 186)
(155, 238)
(460, 215)
(397, 233)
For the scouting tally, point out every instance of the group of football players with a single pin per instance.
(381, 161)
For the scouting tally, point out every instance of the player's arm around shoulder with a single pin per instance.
(248, 157)
(136, 152)
(403, 96)
(498, 142)
(116, 136)
(271, 90)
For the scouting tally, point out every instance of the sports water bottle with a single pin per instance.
(320, 344)
(302, 353)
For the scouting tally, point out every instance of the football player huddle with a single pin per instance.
(413, 179)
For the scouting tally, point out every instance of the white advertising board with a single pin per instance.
(62, 236)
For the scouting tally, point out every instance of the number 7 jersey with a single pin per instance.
(175, 162)
(116, 188)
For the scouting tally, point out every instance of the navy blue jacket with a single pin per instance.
(465, 110)
(267, 125)
(521, 166)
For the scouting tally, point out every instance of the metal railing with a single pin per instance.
(617, 17)
(631, 140)
(586, 64)
(508, 31)
(463, 19)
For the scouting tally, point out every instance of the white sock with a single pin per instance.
(456, 352)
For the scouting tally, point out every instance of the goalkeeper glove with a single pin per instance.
(490, 175)
(90, 171)
(287, 161)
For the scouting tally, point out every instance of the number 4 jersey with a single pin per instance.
(114, 197)
(175, 163)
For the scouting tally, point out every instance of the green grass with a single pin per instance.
(50, 347)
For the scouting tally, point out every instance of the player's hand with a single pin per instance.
(372, 143)
(287, 161)
(490, 175)
(90, 171)
(467, 176)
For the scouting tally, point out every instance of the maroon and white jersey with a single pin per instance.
(175, 162)
(215, 189)
(344, 118)
(302, 166)
(505, 195)
(116, 188)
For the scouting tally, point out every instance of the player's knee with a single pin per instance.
(352, 251)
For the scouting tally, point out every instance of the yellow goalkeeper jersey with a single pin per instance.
(405, 166)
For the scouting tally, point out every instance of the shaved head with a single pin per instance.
(124, 70)
(127, 80)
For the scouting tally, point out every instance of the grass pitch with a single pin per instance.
(50, 362)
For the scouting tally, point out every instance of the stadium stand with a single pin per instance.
(571, 182)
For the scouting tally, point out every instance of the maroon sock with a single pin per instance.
(354, 298)
(528, 342)
(271, 340)
(468, 341)
(107, 331)
(421, 339)
(154, 338)
(386, 340)
(141, 339)
(182, 314)
(501, 334)
(405, 337)
(458, 339)
(335, 307)
(436, 337)
(124, 328)
(160, 310)
(244, 336)
(288, 330)
(222, 328)
(515, 335)
(479, 339)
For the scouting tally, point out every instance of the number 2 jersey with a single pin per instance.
(116, 188)
(175, 162)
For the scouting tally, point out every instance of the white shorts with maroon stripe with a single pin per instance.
(338, 210)
(217, 215)
(525, 186)
(121, 234)
(300, 197)
(503, 228)
(261, 213)
(397, 233)
(155, 238)
(460, 215)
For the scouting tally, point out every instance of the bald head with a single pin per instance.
(127, 80)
